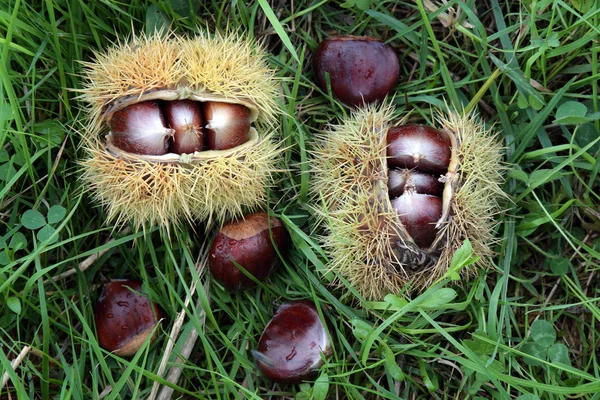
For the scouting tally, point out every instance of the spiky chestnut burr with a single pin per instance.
(361, 69)
(190, 181)
(247, 243)
(124, 317)
(366, 242)
(290, 347)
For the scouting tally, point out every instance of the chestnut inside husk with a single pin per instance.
(157, 127)
(424, 155)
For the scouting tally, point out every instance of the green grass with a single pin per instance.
(527, 328)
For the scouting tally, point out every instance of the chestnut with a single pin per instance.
(290, 347)
(124, 317)
(185, 118)
(419, 146)
(419, 214)
(140, 128)
(361, 69)
(228, 125)
(400, 180)
(247, 243)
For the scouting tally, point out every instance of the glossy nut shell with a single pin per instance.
(290, 347)
(401, 180)
(247, 243)
(419, 213)
(124, 318)
(420, 147)
(361, 69)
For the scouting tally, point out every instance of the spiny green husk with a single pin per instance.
(211, 187)
(366, 244)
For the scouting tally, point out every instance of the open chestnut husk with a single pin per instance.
(180, 129)
(293, 343)
(250, 243)
(125, 317)
(361, 69)
(381, 233)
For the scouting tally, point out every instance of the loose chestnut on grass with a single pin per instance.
(289, 350)
(248, 243)
(361, 69)
(124, 318)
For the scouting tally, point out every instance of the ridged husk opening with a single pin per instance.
(362, 236)
(211, 186)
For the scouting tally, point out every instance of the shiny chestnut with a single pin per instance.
(419, 214)
(185, 118)
(419, 146)
(361, 69)
(289, 350)
(125, 317)
(141, 129)
(247, 243)
(227, 125)
(401, 180)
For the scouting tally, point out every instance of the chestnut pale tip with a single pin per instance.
(185, 118)
(419, 146)
(293, 343)
(125, 318)
(228, 124)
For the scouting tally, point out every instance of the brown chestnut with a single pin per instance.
(124, 317)
(420, 147)
(140, 128)
(185, 118)
(361, 69)
(228, 125)
(290, 348)
(419, 213)
(400, 180)
(247, 243)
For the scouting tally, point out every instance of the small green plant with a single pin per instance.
(35, 221)
(542, 345)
